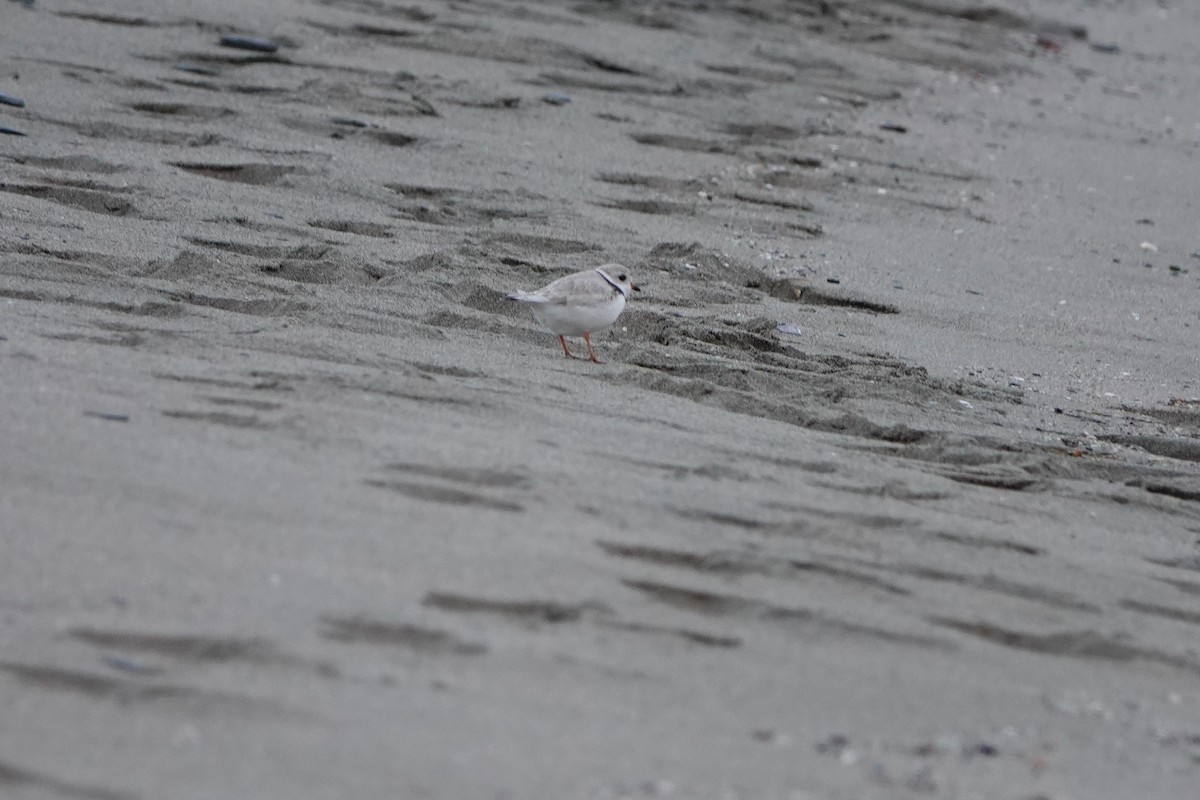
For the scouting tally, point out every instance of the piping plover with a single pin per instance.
(581, 303)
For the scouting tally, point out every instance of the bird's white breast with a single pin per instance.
(578, 318)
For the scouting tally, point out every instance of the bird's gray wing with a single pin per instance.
(583, 288)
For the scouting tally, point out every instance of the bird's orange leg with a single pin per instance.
(567, 352)
(588, 341)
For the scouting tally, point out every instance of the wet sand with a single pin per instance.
(889, 487)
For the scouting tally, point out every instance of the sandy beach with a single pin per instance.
(889, 486)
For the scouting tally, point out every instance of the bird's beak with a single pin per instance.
(635, 287)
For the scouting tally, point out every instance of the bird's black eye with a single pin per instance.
(622, 277)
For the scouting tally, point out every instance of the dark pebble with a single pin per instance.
(195, 69)
(9, 100)
(1058, 410)
(353, 123)
(1145, 221)
(894, 128)
(1112, 48)
(1176, 268)
(11, 131)
(556, 99)
(985, 749)
(107, 415)
(833, 280)
(255, 43)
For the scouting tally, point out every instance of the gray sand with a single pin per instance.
(295, 505)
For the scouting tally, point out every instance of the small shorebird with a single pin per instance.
(581, 303)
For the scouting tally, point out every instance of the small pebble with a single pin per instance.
(835, 743)
(893, 127)
(255, 43)
(10, 100)
(556, 99)
(927, 749)
(788, 329)
(195, 69)
(1049, 43)
(965, 404)
(1149, 247)
(107, 416)
(1111, 48)
(833, 280)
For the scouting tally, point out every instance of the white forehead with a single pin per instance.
(617, 272)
